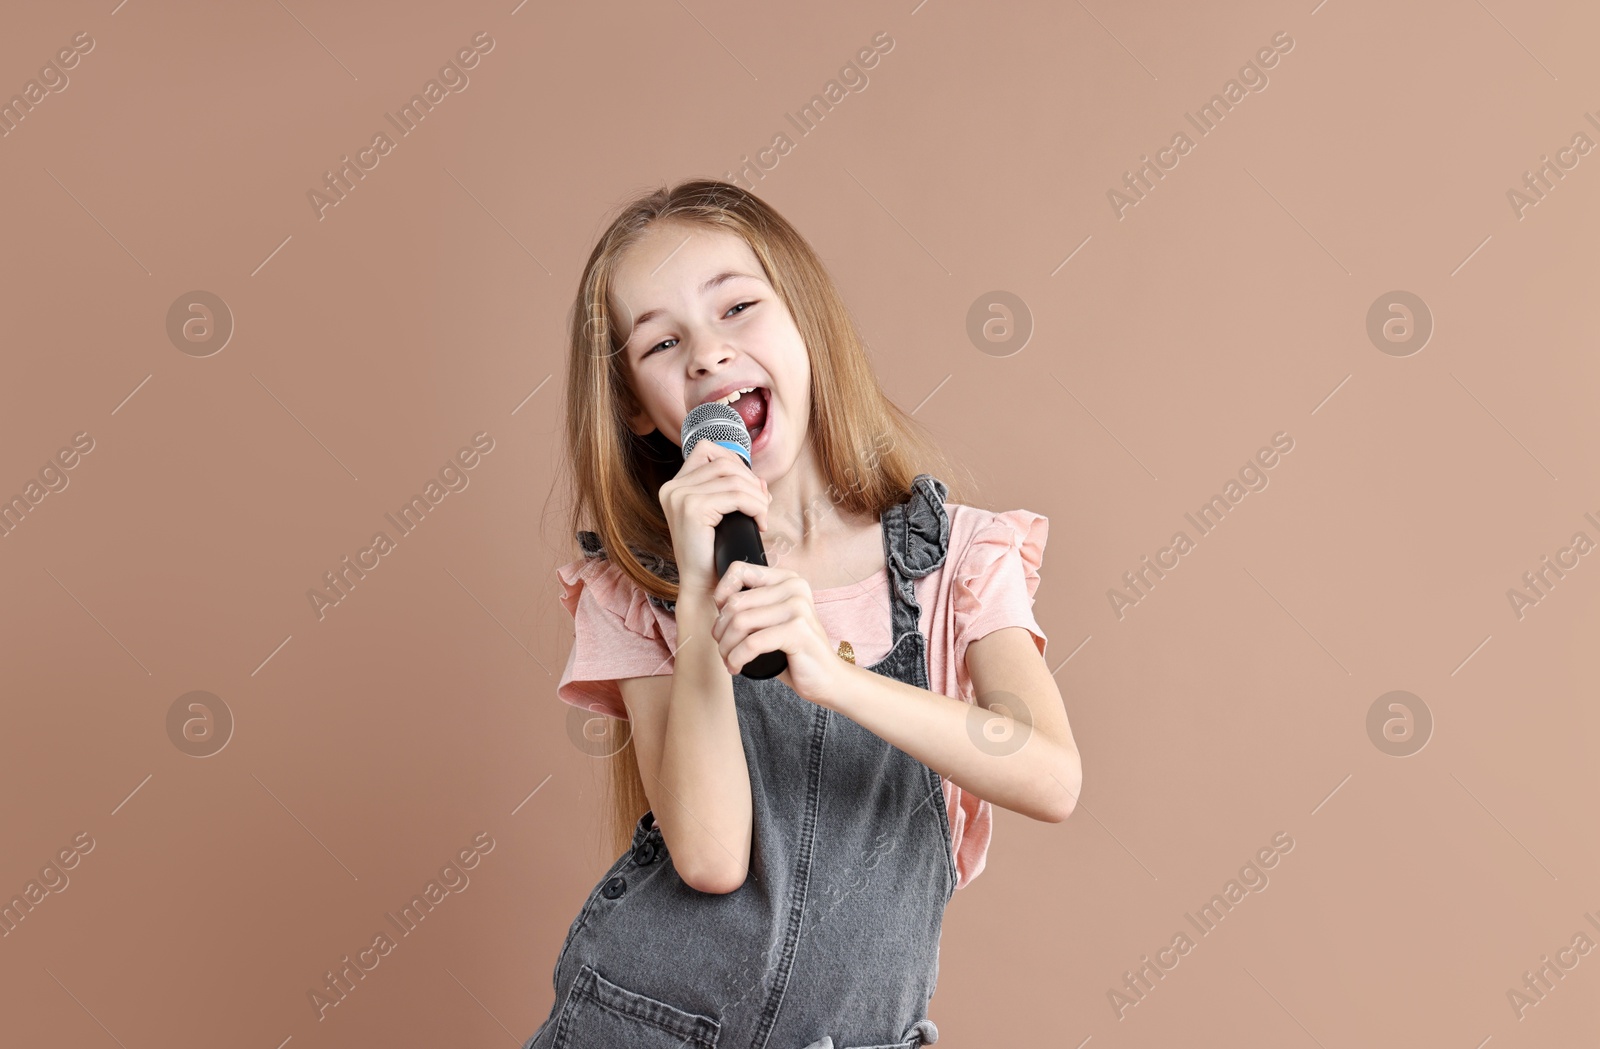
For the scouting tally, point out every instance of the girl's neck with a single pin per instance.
(812, 535)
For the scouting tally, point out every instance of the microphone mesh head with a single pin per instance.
(715, 421)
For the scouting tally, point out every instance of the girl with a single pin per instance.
(786, 883)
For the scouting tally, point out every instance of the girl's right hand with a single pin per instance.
(712, 483)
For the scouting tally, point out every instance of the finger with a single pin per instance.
(706, 464)
(714, 451)
(741, 574)
(750, 618)
(730, 583)
(762, 641)
(756, 609)
(731, 604)
(716, 504)
(753, 503)
(730, 468)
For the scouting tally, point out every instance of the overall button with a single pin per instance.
(614, 888)
(645, 854)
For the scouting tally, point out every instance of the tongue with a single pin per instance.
(752, 408)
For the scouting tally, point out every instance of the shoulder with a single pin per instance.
(994, 559)
(976, 532)
(994, 563)
(591, 586)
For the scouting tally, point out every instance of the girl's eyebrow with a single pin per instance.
(722, 278)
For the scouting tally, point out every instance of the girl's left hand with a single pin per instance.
(777, 612)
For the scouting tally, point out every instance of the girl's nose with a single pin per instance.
(709, 355)
(706, 351)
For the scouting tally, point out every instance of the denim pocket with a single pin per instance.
(602, 1015)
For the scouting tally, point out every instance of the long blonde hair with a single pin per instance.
(616, 475)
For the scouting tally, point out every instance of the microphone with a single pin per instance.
(737, 537)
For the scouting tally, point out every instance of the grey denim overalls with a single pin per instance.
(832, 942)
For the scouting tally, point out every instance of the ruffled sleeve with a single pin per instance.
(617, 633)
(996, 579)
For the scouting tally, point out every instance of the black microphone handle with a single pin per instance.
(738, 539)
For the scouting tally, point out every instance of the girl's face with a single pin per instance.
(705, 322)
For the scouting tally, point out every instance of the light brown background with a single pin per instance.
(369, 747)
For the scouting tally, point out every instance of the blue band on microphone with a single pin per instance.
(737, 447)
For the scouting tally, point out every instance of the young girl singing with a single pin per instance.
(800, 836)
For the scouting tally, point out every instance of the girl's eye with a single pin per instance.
(738, 306)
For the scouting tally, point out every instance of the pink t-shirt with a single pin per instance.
(986, 582)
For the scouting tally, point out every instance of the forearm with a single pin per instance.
(984, 752)
(703, 797)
